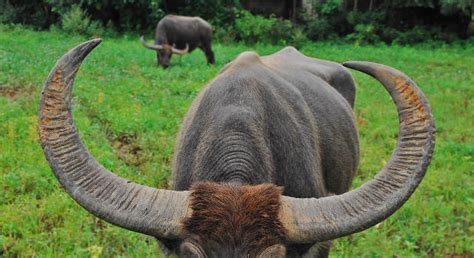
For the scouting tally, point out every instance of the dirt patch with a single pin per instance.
(361, 120)
(16, 92)
(7, 246)
(125, 145)
(98, 225)
(128, 150)
(49, 222)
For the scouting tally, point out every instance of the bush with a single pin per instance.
(420, 34)
(225, 34)
(298, 39)
(328, 22)
(254, 28)
(281, 31)
(319, 28)
(364, 33)
(7, 12)
(76, 21)
(375, 17)
(217, 12)
(27, 12)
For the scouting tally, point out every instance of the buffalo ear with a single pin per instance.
(274, 251)
(191, 250)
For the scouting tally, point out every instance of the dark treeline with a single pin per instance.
(362, 21)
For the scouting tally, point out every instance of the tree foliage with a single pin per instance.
(402, 21)
(121, 15)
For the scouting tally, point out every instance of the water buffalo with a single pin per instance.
(181, 35)
(263, 162)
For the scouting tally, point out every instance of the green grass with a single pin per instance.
(128, 113)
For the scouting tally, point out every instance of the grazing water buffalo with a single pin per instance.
(181, 35)
(263, 163)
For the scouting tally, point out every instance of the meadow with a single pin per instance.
(128, 112)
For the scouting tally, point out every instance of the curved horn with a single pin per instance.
(180, 51)
(313, 220)
(154, 47)
(123, 203)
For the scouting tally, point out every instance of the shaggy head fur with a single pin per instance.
(228, 218)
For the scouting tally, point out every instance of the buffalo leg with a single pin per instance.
(209, 54)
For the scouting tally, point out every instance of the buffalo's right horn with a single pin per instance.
(154, 47)
(312, 220)
(126, 204)
(180, 51)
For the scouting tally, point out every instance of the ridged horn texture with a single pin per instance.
(154, 47)
(314, 220)
(123, 203)
(180, 51)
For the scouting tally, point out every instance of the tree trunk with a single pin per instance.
(293, 15)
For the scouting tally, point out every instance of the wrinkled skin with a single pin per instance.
(298, 145)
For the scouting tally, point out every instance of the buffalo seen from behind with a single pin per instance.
(263, 162)
(180, 35)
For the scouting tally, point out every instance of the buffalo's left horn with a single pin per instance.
(313, 220)
(126, 204)
(153, 47)
(180, 51)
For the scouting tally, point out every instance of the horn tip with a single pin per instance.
(93, 42)
(83, 49)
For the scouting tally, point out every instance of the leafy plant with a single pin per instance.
(78, 22)
(254, 28)
(319, 28)
(364, 33)
(328, 7)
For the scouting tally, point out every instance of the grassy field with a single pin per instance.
(128, 112)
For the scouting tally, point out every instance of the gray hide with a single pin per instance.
(285, 119)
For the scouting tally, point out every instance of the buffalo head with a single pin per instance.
(164, 52)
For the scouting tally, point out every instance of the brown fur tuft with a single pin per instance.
(236, 216)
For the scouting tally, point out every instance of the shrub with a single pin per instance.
(364, 33)
(254, 28)
(7, 12)
(217, 12)
(281, 31)
(374, 17)
(225, 35)
(27, 12)
(78, 22)
(419, 34)
(319, 28)
(298, 39)
(328, 7)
